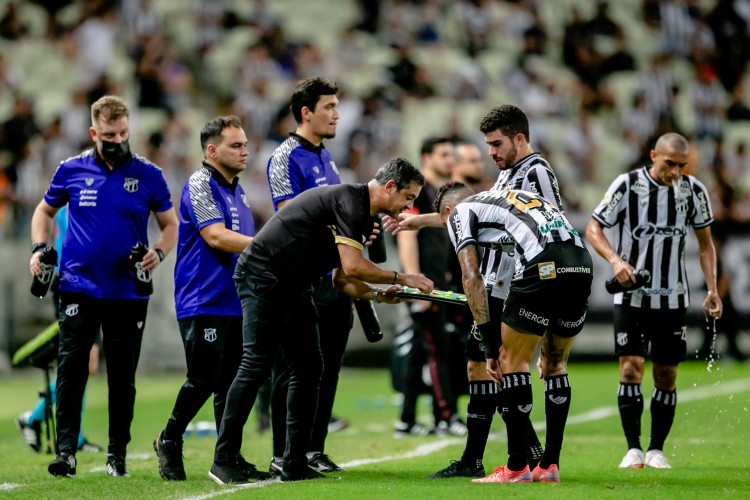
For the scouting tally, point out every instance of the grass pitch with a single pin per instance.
(708, 446)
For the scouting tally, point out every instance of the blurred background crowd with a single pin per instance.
(599, 81)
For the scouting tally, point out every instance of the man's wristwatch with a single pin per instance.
(38, 246)
(160, 253)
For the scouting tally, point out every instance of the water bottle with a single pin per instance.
(41, 282)
(369, 319)
(143, 284)
(376, 251)
(642, 277)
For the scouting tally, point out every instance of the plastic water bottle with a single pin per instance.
(642, 277)
(41, 282)
(143, 284)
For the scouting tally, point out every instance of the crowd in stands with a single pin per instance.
(598, 80)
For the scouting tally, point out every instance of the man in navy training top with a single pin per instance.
(321, 229)
(216, 224)
(300, 163)
(110, 194)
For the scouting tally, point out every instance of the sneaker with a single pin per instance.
(31, 432)
(633, 459)
(227, 474)
(252, 472)
(548, 475)
(656, 459)
(322, 463)
(303, 473)
(504, 475)
(63, 465)
(336, 424)
(89, 447)
(116, 466)
(456, 427)
(169, 454)
(403, 429)
(459, 468)
(275, 467)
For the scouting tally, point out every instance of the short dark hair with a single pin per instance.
(400, 170)
(213, 128)
(307, 94)
(428, 145)
(509, 119)
(450, 192)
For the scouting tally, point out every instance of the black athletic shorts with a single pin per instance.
(664, 329)
(552, 293)
(473, 352)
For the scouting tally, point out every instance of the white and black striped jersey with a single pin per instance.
(653, 221)
(533, 173)
(510, 220)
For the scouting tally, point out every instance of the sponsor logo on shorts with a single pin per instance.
(547, 270)
(571, 324)
(567, 270)
(621, 338)
(558, 400)
(209, 334)
(533, 317)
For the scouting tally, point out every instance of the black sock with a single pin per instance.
(556, 408)
(534, 451)
(519, 401)
(479, 414)
(663, 404)
(630, 403)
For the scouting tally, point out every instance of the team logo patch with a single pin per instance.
(89, 181)
(639, 188)
(209, 334)
(130, 185)
(71, 310)
(333, 166)
(244, 200)
(621, 338)
(316, 170)
(524, 408)
(547, 271)
(140, 324)
(558, 400)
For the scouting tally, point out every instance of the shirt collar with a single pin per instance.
(307, 144)
(220, 178)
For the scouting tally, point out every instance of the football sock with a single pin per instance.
(630, 404)
(518, 400)
(663, 404)
(556, 408)
(479, 414)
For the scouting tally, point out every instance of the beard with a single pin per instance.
(511, 157)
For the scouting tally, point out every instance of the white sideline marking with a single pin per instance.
(696, 394)
(9, 486)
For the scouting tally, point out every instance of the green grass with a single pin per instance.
(708, 446)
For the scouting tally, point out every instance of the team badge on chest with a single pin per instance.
(130, 185)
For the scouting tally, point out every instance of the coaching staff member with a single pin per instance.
(216, 224)
(652, 208)
(547, 302)
(321, 229)
(110, 193)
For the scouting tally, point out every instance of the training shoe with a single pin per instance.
(31, 432)
(252, 472)
(169, 453)
(89, 447)
(323, 463)
(548, 475)
(403, 429)
(275, 468)
(228, 474)
(459, 468)
(116, 466)
(454, 427)
(300, 474)
(336, 424)
(504, 475)
(633, 459)
(63, 465)
(657, 460)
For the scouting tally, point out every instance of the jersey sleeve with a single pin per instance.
(614, 202)
(703, 214)
(283, 176)
(57, 192)
(352, 221)
(202, 205)
(462, 227)
(161, 200)
(542, 181)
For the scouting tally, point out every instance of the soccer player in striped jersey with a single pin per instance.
(548, 300)
(652, 209)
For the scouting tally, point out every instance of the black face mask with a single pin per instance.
(114, 152)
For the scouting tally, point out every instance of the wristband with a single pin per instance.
(38, 246)
(487, 344)
(160, 253)
(395, 277)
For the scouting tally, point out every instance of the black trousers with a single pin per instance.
(334, 324)
(273, 317)
(213, 349)
(122, 323)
